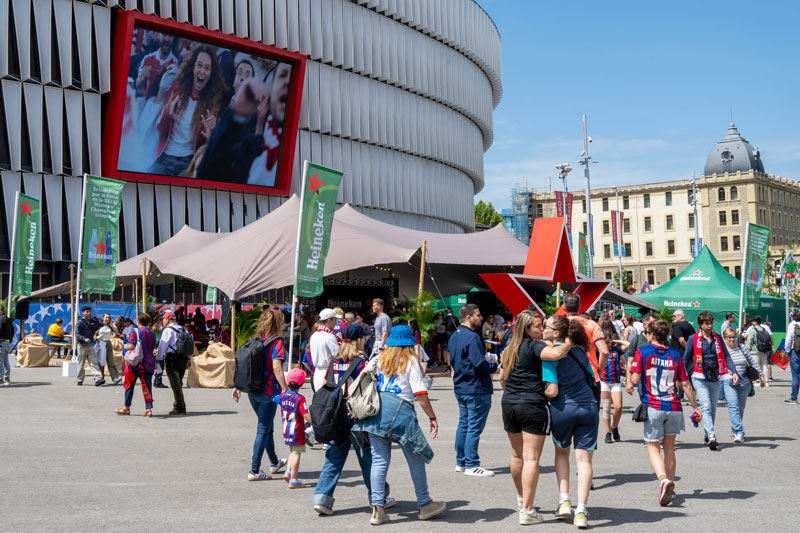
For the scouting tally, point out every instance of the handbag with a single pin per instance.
(363, 400)
(134, 357)
(640, 413)
(751, 373)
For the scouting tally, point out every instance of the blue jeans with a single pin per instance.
(265, 410)
(736, 398)
(707, 394)
(381, 457)
(335, 458)
(5, 366)
(170, 165)
(473, 410)
(794, 366)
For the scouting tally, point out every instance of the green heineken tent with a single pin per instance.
(706, 286)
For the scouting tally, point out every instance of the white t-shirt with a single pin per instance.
(639, 327)
(104, 333)
(323, 346)
(180, 141)
(406, 385)
(264, 167)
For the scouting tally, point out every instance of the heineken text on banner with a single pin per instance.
(26, 242)
(583, 255)
(319, 203)
(100, 235)
(755, 261)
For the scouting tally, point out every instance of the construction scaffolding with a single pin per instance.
(518, 220)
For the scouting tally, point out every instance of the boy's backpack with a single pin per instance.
(763, 340)
(184, 342)
(249, 375)
(329, 416)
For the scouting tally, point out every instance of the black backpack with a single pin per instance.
(184, 342)
(329, 416)
(250, 365)
(763, 340)
(6, 328)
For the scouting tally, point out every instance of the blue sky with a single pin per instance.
(656, 81)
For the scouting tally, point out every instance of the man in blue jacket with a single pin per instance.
(472, 382)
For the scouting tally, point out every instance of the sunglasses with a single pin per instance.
(647, 332)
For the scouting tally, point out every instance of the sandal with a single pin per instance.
(123, 411)
(148, 413)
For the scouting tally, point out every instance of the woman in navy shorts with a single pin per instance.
(573, 414)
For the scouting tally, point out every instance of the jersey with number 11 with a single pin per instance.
(661, 368)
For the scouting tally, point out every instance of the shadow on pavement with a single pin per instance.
(196, 413)
(622, 479)
(723, 446)
(614, 516)
(23, 384)
(408, 513)
(698, 494)
(749, 439)
(505, 470)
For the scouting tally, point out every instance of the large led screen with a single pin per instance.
(203, 108)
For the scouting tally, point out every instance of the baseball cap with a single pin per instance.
(328, 313)
(352, 332)
(296, 375)
(169, 315)
(401, 336)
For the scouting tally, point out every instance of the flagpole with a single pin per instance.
(80, 262)
(618, 238)
(297, 260)
(744, 274)
(11, 262)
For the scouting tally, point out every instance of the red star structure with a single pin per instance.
(100, 248)
(314, 183)
(549, 260)
(26, 209)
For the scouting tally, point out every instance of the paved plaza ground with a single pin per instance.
(68, 463)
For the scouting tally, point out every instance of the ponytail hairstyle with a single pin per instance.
(510, 355)
(609, 330)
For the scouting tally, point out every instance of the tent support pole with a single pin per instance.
(558, 295)
(744, 264)
(144, 284)
(75, 302)
(421, 274)
(233, 325)
(72, 297)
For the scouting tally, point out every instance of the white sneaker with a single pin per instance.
(527, 518)
(260, 476)
(478, 472)
(277, 468)
(460, 468)
(388, 502)
(519, 503)
(738, 438)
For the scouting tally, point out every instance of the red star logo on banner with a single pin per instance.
(100, 248)
(26, 209)
(697, 304)
(314, 183)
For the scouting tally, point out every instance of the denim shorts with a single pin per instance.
(662, 423)
(574, 425)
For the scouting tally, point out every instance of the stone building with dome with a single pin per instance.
(659, 225)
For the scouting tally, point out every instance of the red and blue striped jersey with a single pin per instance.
(293, 407)
(307, 359)
(612, 373)
(661, 368)
(273, 352)
(148, 340)
(339, 367)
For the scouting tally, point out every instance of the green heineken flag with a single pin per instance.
(211, 294)
(320, 187)
(755, 261)
(26, 242)
(100, 235)
(583, 255)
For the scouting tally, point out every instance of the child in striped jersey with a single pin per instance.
(294, 414)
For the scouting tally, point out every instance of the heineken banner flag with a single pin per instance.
(100, 235)
(614, 234)
(26, 242)
(568, 214)
(755, 261)
(583, 255)
(320, 187)
(211, 294)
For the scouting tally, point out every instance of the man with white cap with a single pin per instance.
(324, 345)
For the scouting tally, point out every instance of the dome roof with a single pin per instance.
(733, 154)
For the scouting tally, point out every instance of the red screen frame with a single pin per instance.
(120, 63)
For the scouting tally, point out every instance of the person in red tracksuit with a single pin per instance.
(144, 371)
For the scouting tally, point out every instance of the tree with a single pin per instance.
(487, 214)
(627, 280)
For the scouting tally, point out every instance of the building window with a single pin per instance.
(670, 222)
(646, 200)
(671, 247)
(721, 194)
(540, 210)
(727, 269)
(609, 275)
(723, 218)
(605, 204)
(734, 193)
(737, 271)
(626, 202)
(691, 247)
(584, 228)
(626, 225)
(607, 251)
(606, 230)
(672, 273)
(648, 248)
(723, 244)
(583, 204)
(648, 224)
(668, 196)
(628, 252)
(735, 217)
(651, 277)
(691, 220)
(737, 242)
(689, 197)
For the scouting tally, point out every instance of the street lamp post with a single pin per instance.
(696, 250)
(589, 229)
(618, 238)
(563, 170)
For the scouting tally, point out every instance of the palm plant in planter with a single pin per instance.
(422, 310)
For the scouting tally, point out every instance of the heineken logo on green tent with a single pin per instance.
(681, 303)
(697, 275)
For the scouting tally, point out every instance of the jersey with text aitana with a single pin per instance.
(661, 368)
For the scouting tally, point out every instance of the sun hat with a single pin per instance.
(352, 332)
(401, 336)
(328, 313)
(296, 375)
